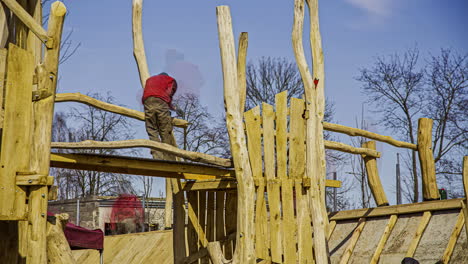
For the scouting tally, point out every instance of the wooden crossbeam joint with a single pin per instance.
(40, 94)
(34, 179)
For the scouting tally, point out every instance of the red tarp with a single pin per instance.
(79, 237)
(127, 211)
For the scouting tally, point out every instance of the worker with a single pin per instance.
(157, 100)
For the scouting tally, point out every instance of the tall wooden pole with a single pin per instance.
(315, 101)
(245, 252)
(43, 110)
(426, 159)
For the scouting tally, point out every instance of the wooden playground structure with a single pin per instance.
(274, 184)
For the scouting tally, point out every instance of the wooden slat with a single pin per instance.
(332, 228)
(192, 237)
(253, 127)
(131, 165)
(383, 240)
(353, 241)
(273, 188)
(210, 217)
(453, 238)
(3, 63)
(230, 220)
(464, 206)
(419, 233)
(178, 240)
(218, 184)
(16, 139)
(220, 199)
(397, 209)
(288, 225)
(296, 171)
(202, 196)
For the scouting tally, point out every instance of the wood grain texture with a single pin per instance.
(453, 238)
(383, 239)
(375, 184)
(426, 159)
(426, 217)
(241, 68)
(353, 241)
(138, 44)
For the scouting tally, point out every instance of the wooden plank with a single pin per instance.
(178, 240)
(464, 206)
(3, 63)
(16, 139)
(332, 228)
(419, 232)
(453, 238)
(245, 252)
(375, 184)
(210, 217)
(202, 220)
(131, 165)
(253, 128)
(241, 65)
(230, 220)
(426, 159)
(355, 132)
(288, 225)
(218, 184)
(273, 188)
(29, 180)
(383, 239)
(353, 241)
(220, 231)
(192, 210)
(397, 209)
(297, 171)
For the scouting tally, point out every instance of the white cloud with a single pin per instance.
(373, 7)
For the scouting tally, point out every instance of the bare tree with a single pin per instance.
(393, 86)
(94, 124)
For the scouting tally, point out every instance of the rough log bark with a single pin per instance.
(81, 98)
(315, 168)
(375, 184)
(356, 132)
(58, 250)
(144, 143)
(426, 159)
(40, 152)
(29, 21)
(244, 252)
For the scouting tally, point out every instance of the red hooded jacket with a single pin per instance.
(160, 86)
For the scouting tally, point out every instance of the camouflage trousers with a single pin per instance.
(158, 123)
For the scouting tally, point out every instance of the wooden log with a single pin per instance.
(426, 159)
(464, 209)
(230, 220)
(16, 139)
(353, 241)
(34, 44)
(438, 205)
(30, 22)
(81, 98)
(202, 209)
(419, 233)
(288, 225)
(144, 143)
(383, 239)
(218, 184)
(178, 239)
(43, 110)
(453, 238)
(216, 253)
(210, 217)
(138, 44)
(130, 165)
(253, 122)
(315, 152)
(273, 187)
(356, 132)
(297, 162)
(193, 224)
(3, 63)
(168, 205)
(58, 249)
(373, 176)
(241, 64)
(350, 149)
(245, 250)
(332, 228)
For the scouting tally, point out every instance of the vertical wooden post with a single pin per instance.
(244, 252)
(241, 64)
(426, 159)
(43, 110)
(373, 176)
(315, 151)
(3, 27)
(465, 187)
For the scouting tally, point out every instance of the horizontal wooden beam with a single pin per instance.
(88, 100)
(29, 21)
(138, 166)
(354, 132)
(397, 209)
(29, 180)
(350, 149)
(144, 143)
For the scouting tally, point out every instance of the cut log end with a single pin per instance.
(58, 9)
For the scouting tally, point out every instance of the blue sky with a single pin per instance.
(353, 32)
